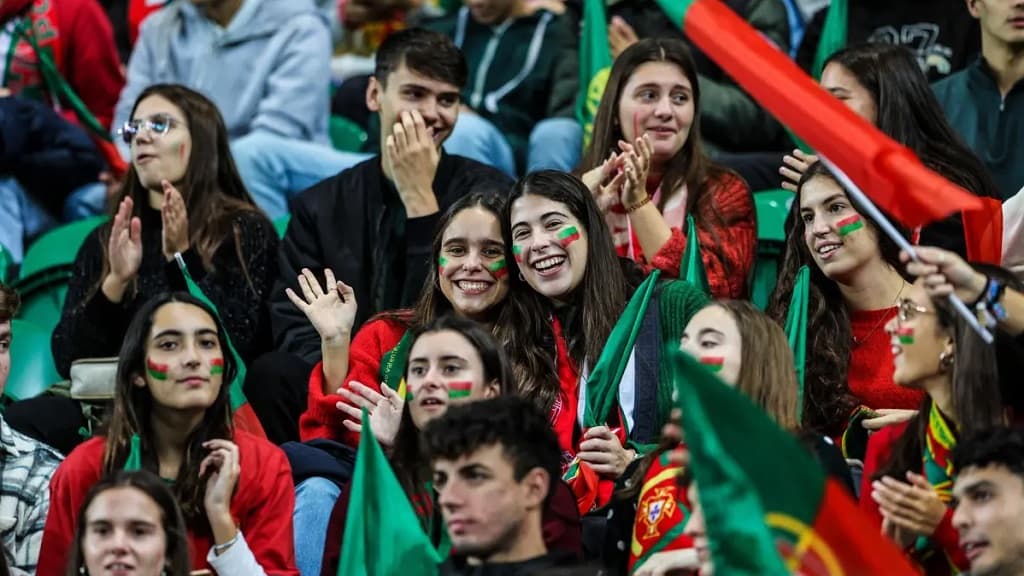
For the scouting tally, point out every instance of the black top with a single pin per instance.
(554, 563)
(91, 326)
(355, 224)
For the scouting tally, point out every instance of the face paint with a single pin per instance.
(441, 263)
(517, 251)
(216, 366)
(636, 125)
(498, 269)
(458, 390)
(568, 236)
(713, 363)
(156, 371)
(181, 151)
(906, 335)
(850, 224)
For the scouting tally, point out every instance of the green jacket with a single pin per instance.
(516, 75)
(989, 123)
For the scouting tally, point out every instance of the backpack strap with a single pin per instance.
(646, 428)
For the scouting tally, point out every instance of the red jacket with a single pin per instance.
(727, 251)
(262, 506)
(880, 445)
(322, 419)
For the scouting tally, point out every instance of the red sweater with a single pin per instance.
(322, 419)
(727, 251)
(880, 445)
(262, 506)
(871, 364)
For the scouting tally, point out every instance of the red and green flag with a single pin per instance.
(383, 534)
(244, 416)
(891, 174)
(661, 513)
(768, 506)
(833, 35)
(796, 330)
(459, 390)
(595, 65)
(850, 224)
(568, 236)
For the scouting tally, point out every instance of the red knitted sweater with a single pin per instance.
(871, 365)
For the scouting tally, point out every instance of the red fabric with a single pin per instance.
(138, 10)
(661, 507)
(262, 506)
(731, 246)
(89, 61)
(322, 419)
(889, 173)
(880, 445)
(871, 364)
(245, 419)
(563, 413)
(983, 231)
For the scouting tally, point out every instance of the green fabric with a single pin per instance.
(383, 535)
(392, 368)
(6, 260)
(595, 65)
(796, 329)
(833, 35)
(678, 303)
(603, 380)
(719, 423)
(235, 390)
(134, 460)
(693, 264)
(676, 10)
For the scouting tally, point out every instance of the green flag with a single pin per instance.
(692, 268)
(796, 329)
(833, 35)
(383, 535)
(595, 64)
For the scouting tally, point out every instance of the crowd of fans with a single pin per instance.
(488, 287)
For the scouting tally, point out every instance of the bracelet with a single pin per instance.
(634, 207)
(219, 549)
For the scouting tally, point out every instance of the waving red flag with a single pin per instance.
(889, 173)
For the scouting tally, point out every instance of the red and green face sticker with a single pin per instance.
(850, 224)
(216, 366)
(906, 335)
(442, 262)
(517, 251)
(713, 363)
(568, 236)
(457, 390)
(498, 269)
(156, 371)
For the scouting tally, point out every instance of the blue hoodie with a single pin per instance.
(269, 69)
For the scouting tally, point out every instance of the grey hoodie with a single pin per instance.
(268, 70)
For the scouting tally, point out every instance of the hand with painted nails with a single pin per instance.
(911, 506)
(384, 408)
(124, 251)
(603, 451)
(221, 467)
(331, 310)
(636, 166)
(410, 158)
(887, 416)
(175, 221)
(945, 272)
(605, 182)
(794, 166)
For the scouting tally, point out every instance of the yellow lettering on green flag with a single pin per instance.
(595, 65)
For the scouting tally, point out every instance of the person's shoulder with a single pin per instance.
(85, 459)
(350, 183)
(165, 17)
(254, 448)
(467, 168)
(952, 86)
(42, 455)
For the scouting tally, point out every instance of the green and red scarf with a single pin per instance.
(939, 442)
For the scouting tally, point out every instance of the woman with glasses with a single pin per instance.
(908, 476)
(855, 284)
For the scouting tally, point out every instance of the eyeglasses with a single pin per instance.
(158, 124)
(908, 309)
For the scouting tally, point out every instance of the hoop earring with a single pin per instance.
(521, 278)
(82, 570)
(946, 360)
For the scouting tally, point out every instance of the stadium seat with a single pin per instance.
(32, 367)
(772, 207)
(346, 135)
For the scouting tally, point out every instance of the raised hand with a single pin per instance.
(223, 465)
(603, 451)
(795, 165)
(945, 272)
(384, 407)
(636, 167)
(411, 157)
(175, 221)
(332, 311)
(124, 251)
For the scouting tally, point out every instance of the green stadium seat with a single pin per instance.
(346, 135)
(6, 263)
(772, 208)
(281, 225)
(32, 368)
(58, 247)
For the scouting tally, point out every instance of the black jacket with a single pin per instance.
(355, 224)
(542, 565)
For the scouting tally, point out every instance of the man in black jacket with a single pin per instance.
(372, 224)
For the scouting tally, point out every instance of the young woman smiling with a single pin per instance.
(172, 416)
(647, 168)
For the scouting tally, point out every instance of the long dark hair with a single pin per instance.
(407, 458)
(909, 113)
(212, 189)
(691, 165)
(177, 551)
(134, 404)
(595, 305)
(827, 398)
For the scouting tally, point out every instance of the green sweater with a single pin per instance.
(516, 75)
(987, 122)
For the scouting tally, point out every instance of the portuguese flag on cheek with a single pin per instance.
(768, 506)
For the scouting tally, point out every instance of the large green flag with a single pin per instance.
(833, 35)
(383, 535)
(769, 509)
(692, 267)
(796, 329)
(595, 65)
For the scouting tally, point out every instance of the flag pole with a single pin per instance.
(903, 243)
